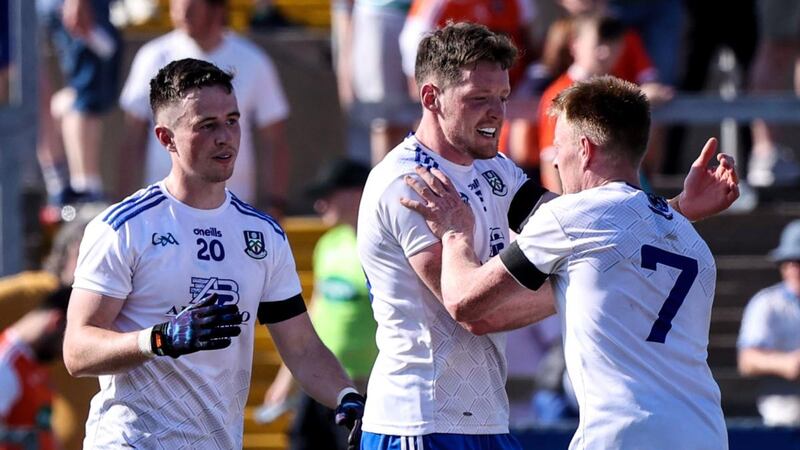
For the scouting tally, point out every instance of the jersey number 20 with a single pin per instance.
(651, 257)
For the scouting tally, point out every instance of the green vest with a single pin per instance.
(341, 309)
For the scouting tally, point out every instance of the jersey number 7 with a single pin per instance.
(651, 257)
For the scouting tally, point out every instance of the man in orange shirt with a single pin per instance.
(25, 348)
(600, 45)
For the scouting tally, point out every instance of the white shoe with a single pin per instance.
(777, 168)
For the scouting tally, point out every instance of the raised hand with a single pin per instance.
(441, 205)
(708, 191)
(202, 326)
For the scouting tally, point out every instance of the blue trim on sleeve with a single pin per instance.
(120, 220)
(130, 202)
(248, 210)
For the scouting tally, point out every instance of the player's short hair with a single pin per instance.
(444, 53)
(611, 112)
(177, 78)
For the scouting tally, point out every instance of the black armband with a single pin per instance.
(274, 312)
(524, 271)
(524, 203)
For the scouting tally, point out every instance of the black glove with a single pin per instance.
(348, 414)
(354, 439)
(202, 326)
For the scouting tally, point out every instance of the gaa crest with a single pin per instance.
(496, 183)
(255, 247)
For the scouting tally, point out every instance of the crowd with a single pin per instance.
(454, 247)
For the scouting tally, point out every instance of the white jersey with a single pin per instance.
(158, 255)
(431, 375)
(258, 92)
(634, 285)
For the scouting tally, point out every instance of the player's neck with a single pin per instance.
(197, 194)
(431, 136)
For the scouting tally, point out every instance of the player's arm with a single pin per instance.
(92, 347)
(273, 159)
(312, 364)
(754, 361)
(708, 191)
(480, 304)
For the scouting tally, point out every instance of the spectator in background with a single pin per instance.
(33, 305)
(340, 306)
(706, 35)
(372, 88)
(200, 33)
(776, 69)
(597, 46)
(523, 137)
(769, 340)
(514, 18)
(660, 24)
(26, 347)
(88, 49)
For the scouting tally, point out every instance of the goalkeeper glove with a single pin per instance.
(348, 414)
(202, 326)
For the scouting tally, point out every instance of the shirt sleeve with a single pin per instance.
(105, 261)
(755, 330)
(539, 250)
(271, 105)
(407, 226)
(282, 281)
(9, 385)
(135, 96)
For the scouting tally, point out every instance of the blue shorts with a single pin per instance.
(94, 79)
(439, 441)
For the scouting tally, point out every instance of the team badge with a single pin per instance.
(255, 247)
(659, 206)
(498, 187)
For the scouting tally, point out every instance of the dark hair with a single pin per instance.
(444, 53)
(175, 79)
(612, 113)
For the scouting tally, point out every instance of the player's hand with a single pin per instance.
(441, 205)
(709, 191)
(202, 326)
(350, 411)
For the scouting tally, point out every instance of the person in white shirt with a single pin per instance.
(182, 269)
(769, 342)
(633, 281)
(200, 33)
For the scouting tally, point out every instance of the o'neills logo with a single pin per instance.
(213, 232)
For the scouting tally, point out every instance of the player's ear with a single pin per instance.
(429, 95)
(165, 137)
(587, 150)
